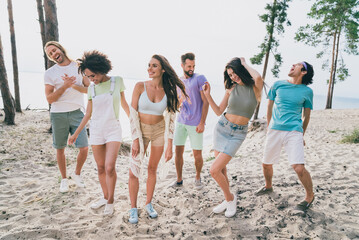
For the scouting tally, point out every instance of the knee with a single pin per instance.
(84, 149)
(151, 170)
(110, 170)
(100, 169)
(267, 167)
(197, 156)
(214, 171)
(299, 169)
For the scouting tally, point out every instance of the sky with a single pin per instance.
(131, 31)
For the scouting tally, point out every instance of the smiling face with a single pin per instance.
(96, 78)
(55, 54)
(155, 69)
(233, 76)
(188, 68)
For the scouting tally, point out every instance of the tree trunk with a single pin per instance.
(335, 68)
(9, 106)
(329, 97)
(269, 47)
(51, 25)
(40, 11)
(14, 58)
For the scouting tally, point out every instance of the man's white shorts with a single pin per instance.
(292, 142)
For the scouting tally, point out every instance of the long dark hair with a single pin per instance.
(237, 67)
(170, 82)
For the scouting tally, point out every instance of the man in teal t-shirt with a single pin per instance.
(287, 99)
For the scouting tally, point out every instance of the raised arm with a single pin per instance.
(218, 110)
(258, 80)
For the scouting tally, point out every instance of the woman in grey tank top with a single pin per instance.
(243, 87)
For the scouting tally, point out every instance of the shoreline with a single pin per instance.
(31, 206)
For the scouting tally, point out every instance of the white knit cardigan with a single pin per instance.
(138, 163)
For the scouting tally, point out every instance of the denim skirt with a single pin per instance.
(228, 137)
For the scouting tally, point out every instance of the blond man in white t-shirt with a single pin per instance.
(64, 89)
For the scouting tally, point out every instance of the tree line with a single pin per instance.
(335, 32)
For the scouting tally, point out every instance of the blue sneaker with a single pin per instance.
(152, 212)
(133, 216)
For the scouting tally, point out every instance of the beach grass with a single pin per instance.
(352, 137)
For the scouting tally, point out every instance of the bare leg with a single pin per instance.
(81, 158)
(133, 186)
(179, 162)
(198, 160)
(99, 152)
(306, 180)
(61, 161)
(112, 149)
(268, 174)
(155, 156)
(217, 173)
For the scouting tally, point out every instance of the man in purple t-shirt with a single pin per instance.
(191, 119)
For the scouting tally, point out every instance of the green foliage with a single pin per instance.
(336, 19)
(351, 138)
(275, 17)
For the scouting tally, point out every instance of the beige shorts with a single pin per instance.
(154, 133)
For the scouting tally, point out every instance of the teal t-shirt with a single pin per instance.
(289, 101)
(105, 87)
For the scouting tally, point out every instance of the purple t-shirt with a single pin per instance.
(191, 112)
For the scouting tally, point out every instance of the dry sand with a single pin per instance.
(31, 206)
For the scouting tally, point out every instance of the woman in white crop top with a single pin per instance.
(150, 100)
(104, 97)
(243, 87)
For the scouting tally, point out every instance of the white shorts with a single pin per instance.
(292, 142)
(100, 135)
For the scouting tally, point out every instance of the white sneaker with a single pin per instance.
(99, 203)
(78, 180)
(231, 208)
(108, 209)
(221, 207)
(64, 186)
(198, 184)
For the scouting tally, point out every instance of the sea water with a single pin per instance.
(32, 95)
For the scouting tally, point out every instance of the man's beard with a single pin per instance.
(188, 73)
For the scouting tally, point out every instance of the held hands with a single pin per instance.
(68, 81)
(72, 139)
(135, 147)
(206, 89)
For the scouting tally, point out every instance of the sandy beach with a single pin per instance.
(31, 206)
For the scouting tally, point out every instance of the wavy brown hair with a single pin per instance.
(170, 82)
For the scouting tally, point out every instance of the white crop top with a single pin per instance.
(146, 106)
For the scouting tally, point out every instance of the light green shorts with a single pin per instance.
(65, 123)
(181, 133)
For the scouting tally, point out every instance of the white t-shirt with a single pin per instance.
(71, 99)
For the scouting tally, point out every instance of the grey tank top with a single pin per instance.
(242, 101)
